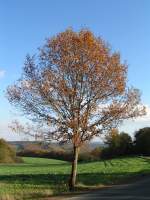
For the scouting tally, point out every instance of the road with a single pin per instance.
(139, 190)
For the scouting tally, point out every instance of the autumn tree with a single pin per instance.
(75, 89)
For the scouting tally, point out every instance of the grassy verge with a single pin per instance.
(38, 177)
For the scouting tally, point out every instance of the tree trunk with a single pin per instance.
(72, 179)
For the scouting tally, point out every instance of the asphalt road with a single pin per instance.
(139, 190)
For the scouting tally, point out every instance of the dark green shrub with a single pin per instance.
(117, 144)
(142, 141)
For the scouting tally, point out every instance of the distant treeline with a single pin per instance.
(115, 144)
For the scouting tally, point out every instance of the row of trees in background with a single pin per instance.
(122, 144)
(115, 144)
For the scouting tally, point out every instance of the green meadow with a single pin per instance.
(37, 178)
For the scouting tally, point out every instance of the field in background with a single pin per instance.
(39, 177)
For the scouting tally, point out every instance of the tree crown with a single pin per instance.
(76, 86)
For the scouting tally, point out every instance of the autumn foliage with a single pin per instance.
(75, 89)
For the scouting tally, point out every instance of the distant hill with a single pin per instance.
(19, 145)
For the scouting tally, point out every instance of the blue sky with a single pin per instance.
(24, 25)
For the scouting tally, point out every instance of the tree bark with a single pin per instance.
(72, 180)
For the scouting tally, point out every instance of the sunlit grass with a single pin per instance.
(39, 177)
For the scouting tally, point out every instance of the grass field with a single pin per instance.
(39, 177)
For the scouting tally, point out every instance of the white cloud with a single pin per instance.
(130, 126)
(145, 118)
(2, 73)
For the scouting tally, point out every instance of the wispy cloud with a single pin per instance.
(130, 126)
(145, 117)
(2, 73)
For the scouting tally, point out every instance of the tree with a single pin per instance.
(126, 144)
(75, 89)
(117, 144)
(142, 141)
(112, 141)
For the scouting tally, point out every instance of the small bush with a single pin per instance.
(7, 153)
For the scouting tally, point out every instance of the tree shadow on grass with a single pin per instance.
(33, 165)
(57, 179)
(36, 179)
(58, 182)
